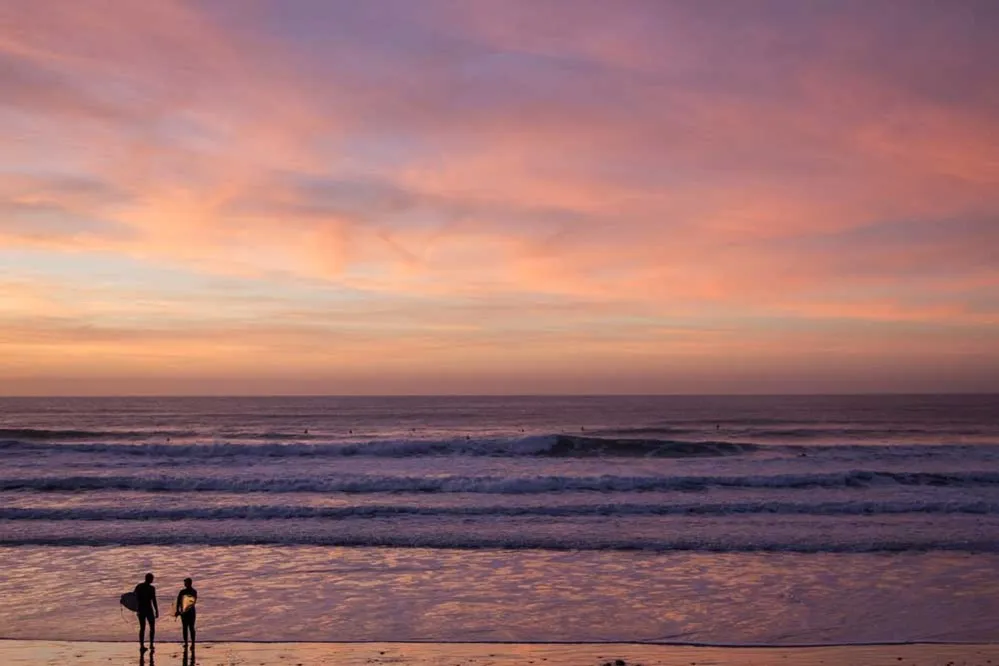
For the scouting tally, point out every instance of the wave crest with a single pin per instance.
(495, 484)
(284, 512)
(540, 445)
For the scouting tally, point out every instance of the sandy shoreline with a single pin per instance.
(22, 653)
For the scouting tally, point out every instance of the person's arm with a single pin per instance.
(156, 608)
(180, 599)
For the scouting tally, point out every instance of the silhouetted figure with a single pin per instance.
(145, 596)
(186, 599)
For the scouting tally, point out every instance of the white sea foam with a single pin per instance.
(552, 445)
(736, 534)
(278, 512)
(495, 484)
(536, 445)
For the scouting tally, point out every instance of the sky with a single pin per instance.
(478, 196)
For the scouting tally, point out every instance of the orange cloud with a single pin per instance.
(506, 178)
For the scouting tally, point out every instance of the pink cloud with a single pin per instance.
(676, 164)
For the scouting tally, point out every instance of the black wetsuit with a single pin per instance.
(188, 617)
(145, 595)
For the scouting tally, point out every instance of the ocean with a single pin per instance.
(763, 520)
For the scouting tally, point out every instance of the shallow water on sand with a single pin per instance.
(433, 654)
(305, 593)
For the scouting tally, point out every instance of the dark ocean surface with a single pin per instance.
(773, 520)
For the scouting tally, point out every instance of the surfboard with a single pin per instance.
(187, 602)
(130, 601)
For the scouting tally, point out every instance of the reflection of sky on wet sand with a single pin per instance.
(336, 594)
(433, 654)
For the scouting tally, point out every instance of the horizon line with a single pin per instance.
(503, 395)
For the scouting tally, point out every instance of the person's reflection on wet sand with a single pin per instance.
(142, 659)
(188, 660)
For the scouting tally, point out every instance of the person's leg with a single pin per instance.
(142, 630)
(152, 630)
(187, 619)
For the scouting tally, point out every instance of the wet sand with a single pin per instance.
(22, 653)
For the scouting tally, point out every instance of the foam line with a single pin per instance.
(496, 484)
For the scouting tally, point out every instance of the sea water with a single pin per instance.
(727, 520)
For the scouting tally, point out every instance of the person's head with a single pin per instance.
(149, 578)
(188, 582)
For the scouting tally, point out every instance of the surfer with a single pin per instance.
(185, 609)
(145, 596)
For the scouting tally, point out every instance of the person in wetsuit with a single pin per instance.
(187, 617)
(145, 595)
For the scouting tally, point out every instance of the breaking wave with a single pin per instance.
(272, 512)
(495, 484)
(665, 543)
(542, 445)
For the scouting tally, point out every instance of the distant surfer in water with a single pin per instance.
(185, 609)
(145, 596)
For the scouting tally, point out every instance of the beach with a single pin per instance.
(494, 332)
(464, 523)
(24, 653)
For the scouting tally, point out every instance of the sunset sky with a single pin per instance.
(478, 196)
